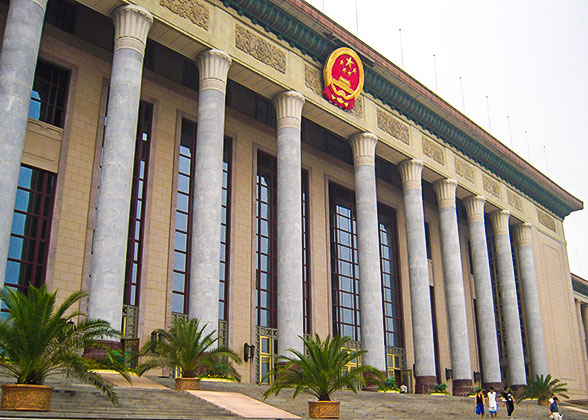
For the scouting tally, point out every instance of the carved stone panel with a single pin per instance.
(260, 49)
(433, 150)
(393, 126)
(192, 10)
(491, 185)
(465, 170)
(514, 200)
(358, 107)
(546, 220)
(312, 79)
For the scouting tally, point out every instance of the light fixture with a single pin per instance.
(248, 352)
(448, 374)
(477, 376)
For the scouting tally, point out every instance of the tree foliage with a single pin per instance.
(38, 340)
(542, 387)
(322, 370)
(187, 347)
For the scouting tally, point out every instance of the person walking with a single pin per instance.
(508, 399)
(492, 403)
(554, 409)
(480, 401)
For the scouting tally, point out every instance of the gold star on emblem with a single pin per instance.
(349, 61)
(341, 62)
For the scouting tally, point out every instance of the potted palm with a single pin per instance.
(542, 388)
(320, 371)
(187, 348)
(38, 340)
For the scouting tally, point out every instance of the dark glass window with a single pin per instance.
(428, 241)
(344, 263)
(266, 264)
(62, 14)
(391, 292)
(337, 147)
(265, 112)
(250, 103)
(266, 250)
(49, 94)
(31, 226)
(138, 200)
(183, 231)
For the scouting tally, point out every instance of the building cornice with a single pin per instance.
(316, 36)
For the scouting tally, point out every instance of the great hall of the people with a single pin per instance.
(252, 164)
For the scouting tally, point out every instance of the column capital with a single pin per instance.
(131, 26)
(411, 171)
(445, 190)
(288, 107)
(475, 207)
(500, 220)
(364, 148)
(522, 233)
(214, 66)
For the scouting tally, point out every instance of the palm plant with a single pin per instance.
(187, 347)
(322, 370)
(542, 387)
(38, 340)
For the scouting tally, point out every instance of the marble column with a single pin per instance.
(107, 275)
(289, 226)
(454, 287)
(532, 306)
(20, 49)
(487, 338)
(418, 271)
(508, 299)
(368, 238)
(208, 188)
(582, 333)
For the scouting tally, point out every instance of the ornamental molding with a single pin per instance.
(465, 170)
(312, 79)
(411, 171)
(357, 110)
(364, 148)
(514, 200)
(500, 221)
(393, 126)
(260, 49)
(194, 11)
(546, 220)
(491, 185)
(433, 150)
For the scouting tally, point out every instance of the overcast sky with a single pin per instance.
(529, 57)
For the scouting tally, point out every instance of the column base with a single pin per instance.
(517, 389)
(97, 353)
(462, 387)
(496, 385)
(425, 384)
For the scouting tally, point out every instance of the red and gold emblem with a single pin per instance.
(343, 78)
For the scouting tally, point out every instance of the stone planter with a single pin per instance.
(188, 384)
(24, 397)
(323, 409)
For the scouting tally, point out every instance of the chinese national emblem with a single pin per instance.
(343, 75)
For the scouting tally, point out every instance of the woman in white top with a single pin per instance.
(492, 404)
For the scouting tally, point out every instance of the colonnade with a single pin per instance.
(132, 24)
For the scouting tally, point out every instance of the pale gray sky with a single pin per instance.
(528, 56)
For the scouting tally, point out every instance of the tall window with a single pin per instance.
(49, 94)
(344, 263)
(266, 250)
(183, 230)
(137, 212)
(31, 226)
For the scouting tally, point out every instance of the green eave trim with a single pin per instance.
(580, 288)
(279, 22)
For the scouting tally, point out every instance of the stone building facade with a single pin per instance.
(177, 159)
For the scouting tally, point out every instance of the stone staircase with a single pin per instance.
(76, 401)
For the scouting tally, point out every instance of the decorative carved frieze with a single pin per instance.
(546, 220)
(465, 170)
(514, 200)
(312, 79)
(393, 126)
(260, 49)
(491, 185)
(192, 10)
(358, 108)
(433, 150)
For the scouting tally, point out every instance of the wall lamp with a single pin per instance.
(477, 376)
(248, 352)
(448, 374)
